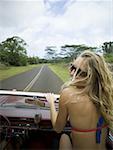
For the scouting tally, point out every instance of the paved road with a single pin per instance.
(40, 79)
(19, 81)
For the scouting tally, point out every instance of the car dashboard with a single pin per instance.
(20, 120)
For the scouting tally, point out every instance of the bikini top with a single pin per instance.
(97, 130)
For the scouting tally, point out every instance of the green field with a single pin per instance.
(7, 72)
(61, 70)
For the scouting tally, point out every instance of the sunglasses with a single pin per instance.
(79, 71)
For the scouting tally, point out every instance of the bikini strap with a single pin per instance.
(89, 130)
(98, 132)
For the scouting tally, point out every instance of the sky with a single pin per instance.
(43, 23)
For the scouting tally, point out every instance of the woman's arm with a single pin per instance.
(53, 113)
(62, 114)
(59, 118)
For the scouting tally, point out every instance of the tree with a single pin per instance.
(107, 47)
(51, 53)
(13, 51)
(33, 60)
(71, 51)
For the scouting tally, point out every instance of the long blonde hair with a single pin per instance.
(98, 84)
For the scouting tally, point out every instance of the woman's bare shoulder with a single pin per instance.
(72, 95)
(66, 92)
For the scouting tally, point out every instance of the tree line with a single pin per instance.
(69, 52)
(13, 52)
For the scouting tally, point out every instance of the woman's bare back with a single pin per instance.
(83, 115)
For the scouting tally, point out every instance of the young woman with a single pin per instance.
(87, 101)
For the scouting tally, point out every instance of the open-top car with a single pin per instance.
(25, 121)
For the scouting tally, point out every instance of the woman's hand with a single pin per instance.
(50, 98)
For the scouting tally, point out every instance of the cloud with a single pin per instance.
(44, 23)
(19, 13)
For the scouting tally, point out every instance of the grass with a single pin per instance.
(11, 71)
(61, 70)
(109, 58)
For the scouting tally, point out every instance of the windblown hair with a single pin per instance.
(98, 84)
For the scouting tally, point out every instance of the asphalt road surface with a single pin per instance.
(40, 79)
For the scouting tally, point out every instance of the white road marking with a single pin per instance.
(28, 87)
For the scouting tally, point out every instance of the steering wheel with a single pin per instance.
(4, 122)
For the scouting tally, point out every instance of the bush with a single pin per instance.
(108, 58)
